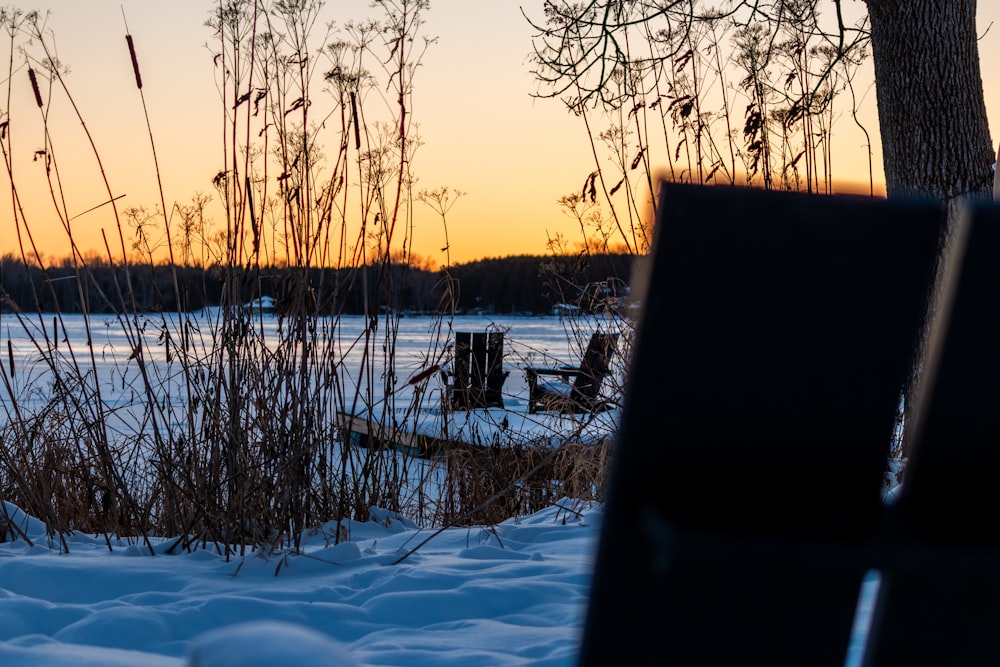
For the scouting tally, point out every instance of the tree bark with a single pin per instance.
(932, 115)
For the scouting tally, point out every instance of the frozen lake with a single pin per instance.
(215, 413)
(195, 425)
(96, 358)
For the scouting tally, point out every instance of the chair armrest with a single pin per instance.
(532, 374)
(562, 370)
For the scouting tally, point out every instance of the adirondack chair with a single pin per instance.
(939, 602)
(777, 334)
(476, 375)
(574, 389)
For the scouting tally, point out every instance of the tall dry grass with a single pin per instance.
(233, 435)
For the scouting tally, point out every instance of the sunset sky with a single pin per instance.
(482, 132)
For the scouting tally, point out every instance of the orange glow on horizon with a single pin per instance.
(514, 156)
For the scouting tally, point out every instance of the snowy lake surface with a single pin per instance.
(108, 369)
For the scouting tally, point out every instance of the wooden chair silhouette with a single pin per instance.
(574, 388)
(476, 376)
(939, 601)
(778, 331)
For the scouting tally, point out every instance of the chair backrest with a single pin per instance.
(478, 370)
(777, 333)
(595, 366)
(945, 610)
(495, 373)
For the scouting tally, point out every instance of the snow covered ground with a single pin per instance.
(392, 594)
(511, 594)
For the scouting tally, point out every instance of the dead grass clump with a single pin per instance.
(487, 485)
(56, 473)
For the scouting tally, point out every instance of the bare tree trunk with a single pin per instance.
(932, 115)
(935, 135)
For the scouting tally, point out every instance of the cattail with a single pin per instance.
(424, 374)
(10, 356)
(135, 62)
(34, 87)
(253, 220)
(357, 129)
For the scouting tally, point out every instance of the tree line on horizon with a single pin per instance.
(522, 284)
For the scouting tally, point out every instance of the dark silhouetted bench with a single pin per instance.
(744, 503)
(574, 389)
